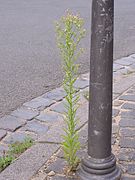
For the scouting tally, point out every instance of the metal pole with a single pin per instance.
(100, 162)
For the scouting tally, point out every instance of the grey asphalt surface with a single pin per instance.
(29, 60)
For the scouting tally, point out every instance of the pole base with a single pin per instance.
(99, 169)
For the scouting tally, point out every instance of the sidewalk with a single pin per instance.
(41, 119)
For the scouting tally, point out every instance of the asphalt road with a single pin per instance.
(29, 60)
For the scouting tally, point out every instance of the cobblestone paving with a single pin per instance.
(123, 129)
(126, 155)
(123, 142)
(41, 119)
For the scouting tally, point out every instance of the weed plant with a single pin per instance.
(14, 151)
(69, 32)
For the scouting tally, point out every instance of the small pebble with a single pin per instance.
(51, 173)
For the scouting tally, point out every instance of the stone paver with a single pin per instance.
(39, 103)
(55, 166)
(130, 58)
(127, 142)
(129, 114)
(128, 97)
(11, 123)
(36, 127)
(25, 113)
(53, 135)
(128, 106)
(49, 117)
(119, 87)
(127, 122)
(131, 169)
(18, 137)
(56, 94)
(59, 107)
(81, 83)
(126, 155)
(126, 61)
(127, 132)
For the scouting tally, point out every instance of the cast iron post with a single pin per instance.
(100, 164)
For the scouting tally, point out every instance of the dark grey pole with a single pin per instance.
(100, 164)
